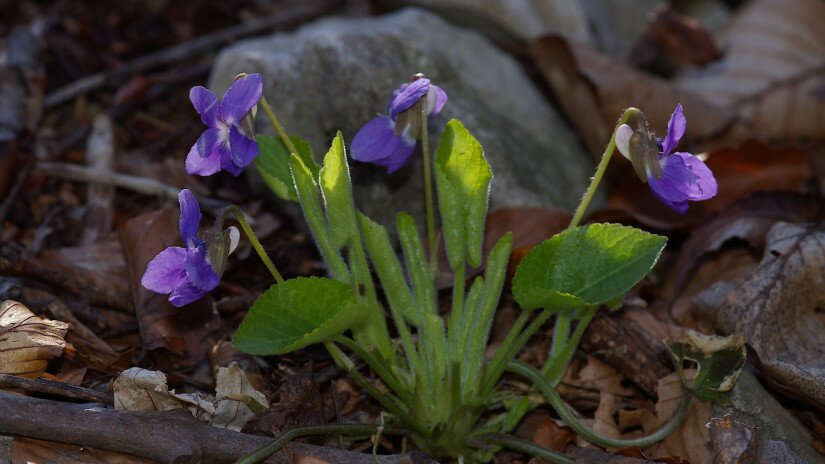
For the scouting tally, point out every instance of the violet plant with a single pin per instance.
(441, 388)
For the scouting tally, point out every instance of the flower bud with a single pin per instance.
(640, 147)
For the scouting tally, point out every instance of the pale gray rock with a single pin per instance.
(520, 19)
(337, 74)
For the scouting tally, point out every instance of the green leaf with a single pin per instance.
(386, 264)
(463, 179)
(336, 187)
(310, 199)
(297, 313)
(422, 281)
(273, 164)
(585, 266)
(720, 361)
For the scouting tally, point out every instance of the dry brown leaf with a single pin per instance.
(732, 265)
(550, 434)
(748, 219)
(26, 341)
(137, 389)
(233, 391)
(677, 37)
(577, 95)
(599, 376)
(773, 71)
(769, 84)
(617, 86)
(692, 439)
(603, 422)
(775, 310)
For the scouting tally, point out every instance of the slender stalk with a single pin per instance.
(329, 429)
(378, 366)
(509, 441)
(570, 417)
(428, 194)
(510, 347)
(561, 331)
(554, 368)
(256, 244)
(389, 402)
(279, 128)
(601, 168)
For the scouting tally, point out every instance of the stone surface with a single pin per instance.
(618, 24)
(521, 19)
(5, 449)
(753, 406)
(339, 73)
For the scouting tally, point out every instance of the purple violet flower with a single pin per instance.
(389, 140)
(679, 177)
(229, 141)
(186, 273)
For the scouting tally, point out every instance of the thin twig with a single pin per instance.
(165, 437)
(55, 388)
(137, 184)
(22, 175)
(298, 13)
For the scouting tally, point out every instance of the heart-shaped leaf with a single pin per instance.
(585, 266)
(297, 313)
(273, 164)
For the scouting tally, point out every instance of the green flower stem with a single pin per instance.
(329, 429)
(601, 168)
(256, 244)
(561, 331)
(389, 403)
(428, 194)
(509, 441)
(279, 128)
(556, 364)
(510, 347)
(570, 417)
(379, 367)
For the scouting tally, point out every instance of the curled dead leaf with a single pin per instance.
(719, 362)
(137, 389)
(26, 341)
(775, 310)
(768, 85)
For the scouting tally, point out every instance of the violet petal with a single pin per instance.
(240, 98)
(185, 294)
(408, 95)
(377, 143)
(198, 270)
(675, 130)
(705, 186)
(677, 184)
(436, 99)
(196, 164)
(165, 272)
(190, 218)
(207, 142)
(244, 149)
(206, 104)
